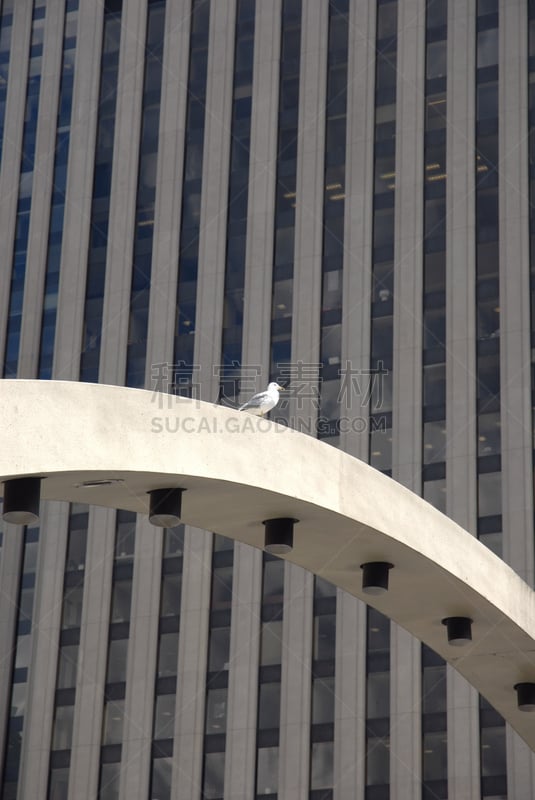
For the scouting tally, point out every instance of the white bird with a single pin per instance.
(263, 402)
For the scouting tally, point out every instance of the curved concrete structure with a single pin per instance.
(239, 470)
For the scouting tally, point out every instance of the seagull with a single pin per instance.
(263, 402)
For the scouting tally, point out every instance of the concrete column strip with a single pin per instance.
(10, 570)
(168, 202)
(297, 627)
(141, 663)
(358, 223)
(515, 345)
(240, 758)
(92, 658)
(306, 322)
(214, 200)
(79, 192)
(350, 699)
(461, 428)
(405, 715)
(12, 147)
(116, 310)
(37, 735)
(262, 176)
(192, 660)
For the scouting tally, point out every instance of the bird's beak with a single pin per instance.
(281, 388)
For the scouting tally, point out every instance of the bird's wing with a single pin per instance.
(256, 401)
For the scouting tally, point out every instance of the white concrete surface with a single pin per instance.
(239, 470)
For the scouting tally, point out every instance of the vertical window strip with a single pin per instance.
(21, 664)
(146, 194)
(165, 689)
(434, 719)
(100, 207)
(492, 728)
(269, 678)
(6, 27)
(381, 363)
(487, 279)
(333, 221)
(119, 631)
(238, 193)
(377, 706)
(382, 331)
(57, 210)
(323, 691)
(191, 198)
(215, 722)
(22, 227)
(67, 668)
(285, 196)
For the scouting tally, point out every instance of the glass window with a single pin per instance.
(120, 606)
(113, 722)
(171, 594)
(435, 493)
(434, 442)
(489, 494)
(72, 607)
(267, 772)
(222, 588)
(216, 710)
(378, 699)
(68, 660)
(322, 700)
(271, 643)
(435, 756)
(62, 734)
(436, 59)
(162, 770)
(218, 652)
(489, 434)
(273, 588)
(59, 784)
(324, 637)
(487, 101)
(434, 690)
(493, 751)
(269, 705)
(109, 781)
(126, 534)
(387, 20)
(377, 762)
(117, 655)
(214, 775)
(164, 716)
(22, 657)
(381, 449)
(168, 654)
(77, 548)
(487, 48)
(321, 765)
(434, 384)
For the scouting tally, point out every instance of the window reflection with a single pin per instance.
(164, 716)
(321, 765)
(489, 494)
(214, 775)
(216, 710)
(267, 770)
(322, 700)
(62, 732)
(269, 705)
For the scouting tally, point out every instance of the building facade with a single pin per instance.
(200, 196)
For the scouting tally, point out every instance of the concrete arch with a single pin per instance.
(239, 470)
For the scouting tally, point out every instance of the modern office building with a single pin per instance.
(203, 195)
